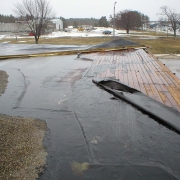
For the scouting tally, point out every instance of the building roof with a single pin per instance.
(140, 70)
(55, 20)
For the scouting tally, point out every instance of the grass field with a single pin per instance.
(158, 45)
(60, 40)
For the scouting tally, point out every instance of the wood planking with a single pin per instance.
(142, 71)
(171, 84)
(156, 81)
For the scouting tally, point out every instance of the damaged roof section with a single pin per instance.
(160, 112)
(91, 135)
(139, 70)
(115, 43)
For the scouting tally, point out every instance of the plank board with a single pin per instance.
(140, 70)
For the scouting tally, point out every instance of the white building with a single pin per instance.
(13, 27)
(58, 24)
(21, 26)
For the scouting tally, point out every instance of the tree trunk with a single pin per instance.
(174, 34)
(36, 39)
(127, 31)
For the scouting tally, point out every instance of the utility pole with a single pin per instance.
(167, 27)
(114, 21)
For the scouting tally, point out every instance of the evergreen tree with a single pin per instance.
(7, 18)
(103, 22)
(75, 24)
(64, 22)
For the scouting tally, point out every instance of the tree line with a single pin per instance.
(35, 12)
(66, 22)
(7, 18)
(79, 21)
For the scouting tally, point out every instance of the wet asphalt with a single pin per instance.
(86, 124)
(14, 49)
(173, 65)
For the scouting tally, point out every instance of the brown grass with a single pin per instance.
(60, 40)
(162, 45)
(150, 33)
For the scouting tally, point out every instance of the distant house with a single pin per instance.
(57, 24)
(86, 26)
(153, 25)
(7, 27)
(70, 27)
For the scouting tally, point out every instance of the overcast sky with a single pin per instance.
(98, 8)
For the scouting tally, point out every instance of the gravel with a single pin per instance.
(3, 81)
(115, 43)
(22, 154)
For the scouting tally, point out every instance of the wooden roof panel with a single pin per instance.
(140, 70)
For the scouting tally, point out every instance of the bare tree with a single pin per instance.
(172, 17)
(128, 20)
(34, 12)
(145, 21)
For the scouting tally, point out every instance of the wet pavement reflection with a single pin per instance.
(14, 49)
